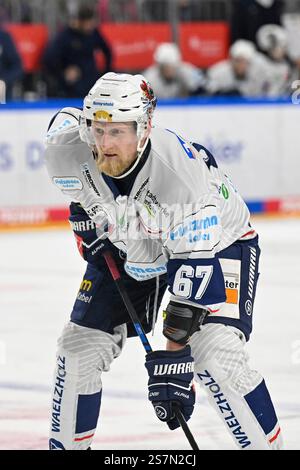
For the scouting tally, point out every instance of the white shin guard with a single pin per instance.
(83, 354)
(237, 393)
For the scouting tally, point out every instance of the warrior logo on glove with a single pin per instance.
(181, 368)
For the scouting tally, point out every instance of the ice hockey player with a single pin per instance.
(174, 221)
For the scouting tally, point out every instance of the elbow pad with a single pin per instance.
(181, 321)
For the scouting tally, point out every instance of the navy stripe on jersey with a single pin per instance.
(210, 160)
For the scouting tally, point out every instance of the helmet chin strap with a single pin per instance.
(140, 151)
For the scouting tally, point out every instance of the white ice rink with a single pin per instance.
(40, 273)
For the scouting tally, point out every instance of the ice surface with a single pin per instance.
(40, 273)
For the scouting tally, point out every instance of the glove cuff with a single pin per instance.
(161, 354)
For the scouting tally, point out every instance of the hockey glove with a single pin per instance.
(170, 380)
(91, 239)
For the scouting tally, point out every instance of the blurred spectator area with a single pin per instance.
(55, 12)
(134, 28)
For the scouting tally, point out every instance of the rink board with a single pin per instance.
(254, 141)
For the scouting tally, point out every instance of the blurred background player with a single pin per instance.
(170, 76)
(69, 66)
(245, 73)
(11, 70)
(294, 82)
(272, 40)
(69, 60)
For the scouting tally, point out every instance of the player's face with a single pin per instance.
(169, 71)
(277, 53)
(240, 67)
(116, 144)
(87, 26)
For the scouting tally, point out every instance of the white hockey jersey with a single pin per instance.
(182, 209)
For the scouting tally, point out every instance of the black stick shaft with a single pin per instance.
(128, 304)
(142, 335)
(185, 427)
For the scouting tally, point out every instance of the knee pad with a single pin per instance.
(89, 349)
(222, 348)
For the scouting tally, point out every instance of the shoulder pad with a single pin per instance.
(64, 122)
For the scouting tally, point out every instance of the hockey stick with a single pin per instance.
(111, 264)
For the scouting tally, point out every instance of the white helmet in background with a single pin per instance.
(167, 53)
(270, 36)
(118, 97)
(242, 49)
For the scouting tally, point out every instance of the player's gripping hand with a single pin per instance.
(91, 239)
(170, 380)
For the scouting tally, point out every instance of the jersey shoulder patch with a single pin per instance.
(62, 123)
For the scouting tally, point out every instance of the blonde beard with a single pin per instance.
(112, 167)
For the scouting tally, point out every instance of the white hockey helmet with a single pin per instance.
(118, 97)
(167, 53)
(242, 49)
(270, 36)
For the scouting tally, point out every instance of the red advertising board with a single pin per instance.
(32, 216)
(203, 44)
(134, 43)
(30, 41)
